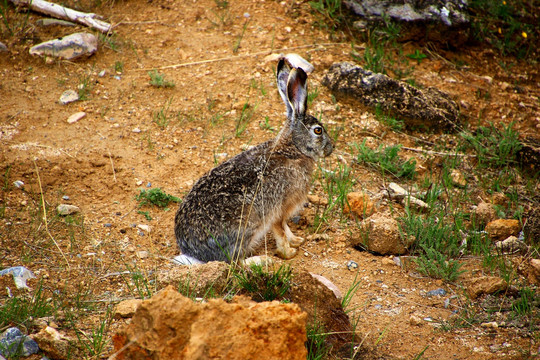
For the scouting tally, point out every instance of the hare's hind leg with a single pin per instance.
(294, 241)
(286, 241)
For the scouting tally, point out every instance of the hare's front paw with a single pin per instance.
(296, 241)
(286, 252)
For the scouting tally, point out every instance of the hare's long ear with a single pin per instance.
(282, 78)
(297, 92)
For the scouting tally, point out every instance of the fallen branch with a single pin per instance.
(439, 153)
(229, 58)
(65, 13)
(45, 221)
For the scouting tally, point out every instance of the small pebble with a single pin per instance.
(378, 306)
(490, 325)
(65, 197)
(108, 225)
(102, 73)
(141, 233)
(436, 292)
(18, 183)
(136, 130)
(65, 209)
(351, 265)
(415, 320)
(144, 227)
(142, 254)
(76, 117)
(68, 96)
(117, 77)
(149, 185)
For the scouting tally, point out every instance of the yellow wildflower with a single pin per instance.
(524, 34)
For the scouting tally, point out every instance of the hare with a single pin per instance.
(230, 209)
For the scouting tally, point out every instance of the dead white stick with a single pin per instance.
(65, 13)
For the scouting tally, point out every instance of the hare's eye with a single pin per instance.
(317, 130)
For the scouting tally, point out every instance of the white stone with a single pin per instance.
(76, 117)
(68, 96)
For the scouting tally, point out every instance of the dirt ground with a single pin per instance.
(103, 160)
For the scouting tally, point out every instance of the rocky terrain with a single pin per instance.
(177, 87)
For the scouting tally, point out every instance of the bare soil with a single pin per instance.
(102, 161)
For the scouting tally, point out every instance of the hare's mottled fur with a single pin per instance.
(230, 209)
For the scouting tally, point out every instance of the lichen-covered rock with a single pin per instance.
(447, 12)
(427, 107)
(171, 326)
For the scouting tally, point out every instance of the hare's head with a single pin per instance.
(306, 131)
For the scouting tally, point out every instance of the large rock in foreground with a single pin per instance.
(428, 107)
(171, 326)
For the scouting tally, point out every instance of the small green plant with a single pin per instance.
(494, 148)
(161, 117)
(146, 214)
(312, 95)
(85, 87)
(242, 121)
(146, 138)
(264, 285)
(266, 125)
(375, 58)
(329, 11)
(437, 265)
(138, 283)
(156, 197)
(417, 55)
(110, 41)
(222, 14)
(336, 184)
(16, 25)
(316, 341)
(386, 160)
(95, 343)
(236, 46)
(158, 80)
(22, 309)
(528, 299)
(346, 300)
(259, 85)
(509, 26)
(391, 122)
(119, 66)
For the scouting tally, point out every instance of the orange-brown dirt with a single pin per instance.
(103, 160)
